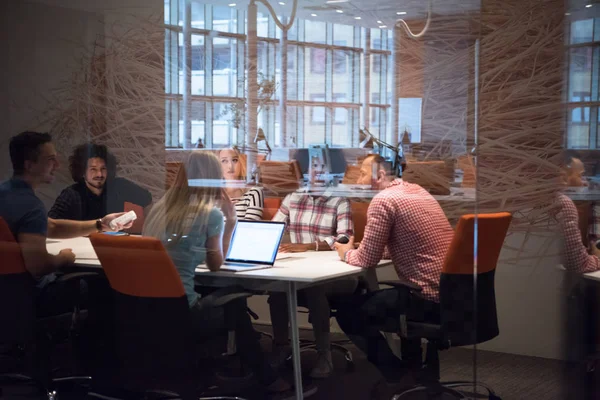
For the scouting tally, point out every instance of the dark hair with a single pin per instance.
(26, 147)
(82, 153)
(569, 156)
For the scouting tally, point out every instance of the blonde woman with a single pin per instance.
(195, 225)
(249, 204)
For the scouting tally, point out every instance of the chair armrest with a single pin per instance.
(225, 299)
(223, 296)
(75, 275)
(402, 284)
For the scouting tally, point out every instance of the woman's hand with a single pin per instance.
(228, 208)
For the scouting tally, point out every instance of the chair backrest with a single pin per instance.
(152, 325)
(434, 176)
(171, 170)
(17, 292)
(280, 177)
(272, 205)
(351, 174)
(138, 224)
(359, 218)
(465, 319)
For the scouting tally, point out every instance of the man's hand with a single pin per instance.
(108, 218)
(343, 248)
(296, 247)
(595, 250)
(67, 255)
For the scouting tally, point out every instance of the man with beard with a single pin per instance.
(97, 190)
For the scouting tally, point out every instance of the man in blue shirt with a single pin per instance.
(34, 162)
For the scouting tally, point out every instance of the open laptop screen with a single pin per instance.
(255, 242)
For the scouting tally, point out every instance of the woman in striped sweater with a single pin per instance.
(249, 203)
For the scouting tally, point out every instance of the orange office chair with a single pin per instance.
(138, 224)
(359, 218)
(272, 205)
(153, 334)
(20, 328)
(463, 321)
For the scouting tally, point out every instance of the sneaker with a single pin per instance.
(279, 355)
(323, 367)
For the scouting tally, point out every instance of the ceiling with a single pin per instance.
(365, 13)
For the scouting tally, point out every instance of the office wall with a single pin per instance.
(87, 73)
(41, 48)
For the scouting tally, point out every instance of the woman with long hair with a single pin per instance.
(194, 220)
(249, 203)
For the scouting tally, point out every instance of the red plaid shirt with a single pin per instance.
(410, 222)
(309, 218)
(576, 257)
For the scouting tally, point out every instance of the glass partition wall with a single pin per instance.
(480, 127)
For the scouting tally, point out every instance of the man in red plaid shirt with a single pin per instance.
(404, 223)
(576, 257)
(314, 223)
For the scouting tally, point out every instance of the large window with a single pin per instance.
(583, 54)
(326, 75)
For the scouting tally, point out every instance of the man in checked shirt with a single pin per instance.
(314, 223)
(576, 256)
(404, 223)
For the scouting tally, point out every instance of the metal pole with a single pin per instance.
(251, 67)
(283, 88)
(187, 75)
(394, 134)
(367, 85)
(293, 310)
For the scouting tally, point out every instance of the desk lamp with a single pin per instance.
(368, 141)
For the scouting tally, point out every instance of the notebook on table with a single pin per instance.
(254, 245)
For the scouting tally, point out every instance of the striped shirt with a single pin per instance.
(410, 222)
(250, 206)
(310, 218)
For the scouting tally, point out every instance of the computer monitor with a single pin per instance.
(337, 160)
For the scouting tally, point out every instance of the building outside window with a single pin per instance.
(325, 78)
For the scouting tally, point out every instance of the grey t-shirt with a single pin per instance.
(190, 250)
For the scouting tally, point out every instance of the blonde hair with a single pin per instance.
(182, 205)
(242, 160)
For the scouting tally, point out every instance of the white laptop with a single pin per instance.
(254, 245)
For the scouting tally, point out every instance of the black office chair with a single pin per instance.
(464, 319)
(154, 348)
(25, 339)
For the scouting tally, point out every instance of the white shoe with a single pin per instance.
(323, 367)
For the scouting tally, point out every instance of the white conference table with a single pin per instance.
(288, 275)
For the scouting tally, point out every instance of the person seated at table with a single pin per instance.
(97, 190)
(314, 223)
(404, 223)
(35, 162)
(576, 256)
(249, 203)
(195, 224)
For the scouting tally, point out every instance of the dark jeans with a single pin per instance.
(209, 321)
(363, 317)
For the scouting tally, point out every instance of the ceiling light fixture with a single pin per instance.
(380, 22)
(588, 5)
(313, 15)
(567, 14)
(232, 4)
(282, 3)
(339, 11)
(336, 1)
(382, 26)
(356, 17)
(401, 13)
